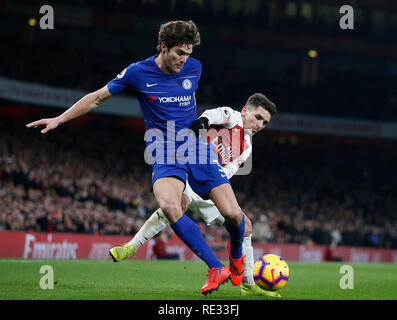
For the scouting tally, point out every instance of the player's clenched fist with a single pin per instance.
(50, 124)
(199, 124)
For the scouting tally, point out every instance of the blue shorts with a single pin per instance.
(203, 177)
(166, 163)
(176, 170)
(203, 174)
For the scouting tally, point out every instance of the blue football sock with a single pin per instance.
(191, 235)
(236, 238)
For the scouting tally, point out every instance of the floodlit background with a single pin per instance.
(324, 172)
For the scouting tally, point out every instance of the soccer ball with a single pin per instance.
(271, 272)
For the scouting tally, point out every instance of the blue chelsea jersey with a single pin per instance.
(163, 97)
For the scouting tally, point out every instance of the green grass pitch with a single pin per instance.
(182, 280)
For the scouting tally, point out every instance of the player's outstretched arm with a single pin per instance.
(83, 106)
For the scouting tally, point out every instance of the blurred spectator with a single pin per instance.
(329, 254)
(261, 230)
(336, 236)
(160, 248)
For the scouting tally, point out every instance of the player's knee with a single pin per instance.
(248, 227)
(171, 208)
(233, 214)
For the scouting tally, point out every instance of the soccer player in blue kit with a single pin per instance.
(166, 85)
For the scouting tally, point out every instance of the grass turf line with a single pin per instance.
(182, 280)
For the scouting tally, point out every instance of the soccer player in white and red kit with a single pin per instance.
(230, 132)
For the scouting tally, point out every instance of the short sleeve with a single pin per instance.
(123, 80)
(221, 115)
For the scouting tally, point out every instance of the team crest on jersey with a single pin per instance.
(122, 73)
(186, 84)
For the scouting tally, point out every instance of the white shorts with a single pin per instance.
(206, 209)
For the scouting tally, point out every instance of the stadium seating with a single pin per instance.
(298, 192)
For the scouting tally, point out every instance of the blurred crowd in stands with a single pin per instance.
(93, 179)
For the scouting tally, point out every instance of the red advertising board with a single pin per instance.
(18, 244)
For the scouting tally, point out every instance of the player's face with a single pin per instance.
(255, 119)
(176, 57)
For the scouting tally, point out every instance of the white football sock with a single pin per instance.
(248, 252)
(150, 228)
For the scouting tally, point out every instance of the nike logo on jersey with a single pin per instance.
(150, 84)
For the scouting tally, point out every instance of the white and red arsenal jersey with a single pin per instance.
(226, 133)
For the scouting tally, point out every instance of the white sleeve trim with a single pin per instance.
(220, 115)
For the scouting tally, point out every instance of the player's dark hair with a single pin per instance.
(260, 100)
(175, 33)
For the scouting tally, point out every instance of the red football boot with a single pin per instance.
(236, 267)
(216, 277)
